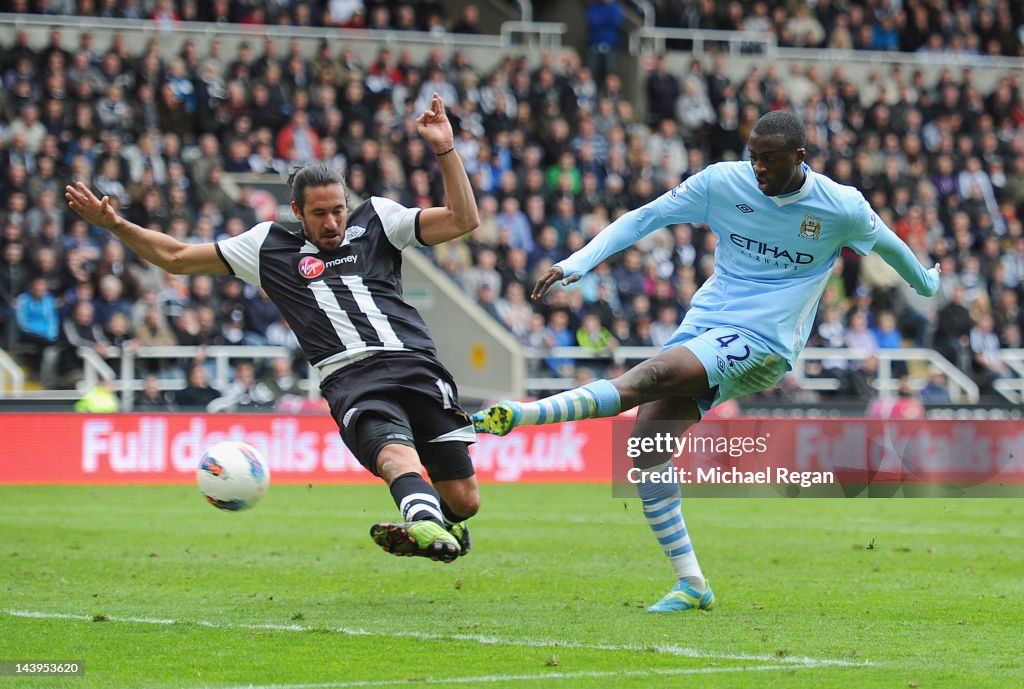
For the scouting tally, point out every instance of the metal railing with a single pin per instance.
(12, 379)
(96, 367)
(821, 56)
(961, 387)
(1012, 388)
(652, 40)
(647, 12)
(648, 40)
(545, 34)
(525, 10)
(619, 356)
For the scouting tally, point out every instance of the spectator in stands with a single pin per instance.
(282, 382)
(484, 271)
(604, 25)
(663, 90)
(152, 398)
(17, 204)
(38, 319)
(280, 334)
(14, 276)
(593, 336)
(904, 405)
(513, 219)
(198, 393)
(486, 298)
(81, 330)
(860, 337)
(154, 331)
(888, 337)
(342, 12)
(665, 326)
(695, 113)
(118, 331)
(935, 390)
(110, 299)
(560, 335)
(953, 329)
(514, 310)
(99, 400)
(629, 275)
(468, 21)
(245, 392)
(30, 129)
(172, 115)
(1013, 261)
(985, 350)
(44, 211)
(666, 148)
(213, 190)
(789, 391)
(208, 157)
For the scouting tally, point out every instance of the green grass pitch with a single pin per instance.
(153, 588)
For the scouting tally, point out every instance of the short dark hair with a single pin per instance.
(784, 124)
(316, 174)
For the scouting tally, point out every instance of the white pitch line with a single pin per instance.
(664, 649)
(490, 679)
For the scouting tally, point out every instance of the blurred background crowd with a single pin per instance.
(555, 151)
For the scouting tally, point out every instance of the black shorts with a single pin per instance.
(404, 398)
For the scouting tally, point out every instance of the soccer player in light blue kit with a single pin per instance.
(780, 228)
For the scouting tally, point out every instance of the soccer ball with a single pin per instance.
(232, 475)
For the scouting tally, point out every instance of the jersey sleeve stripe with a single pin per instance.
(223, 260)
(416, 228)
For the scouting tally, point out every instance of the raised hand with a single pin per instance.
(433, 125)
(549, 278)
(932, 288)
(93, 210)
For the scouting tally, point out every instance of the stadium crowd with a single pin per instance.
(970, 27)
(554, 155)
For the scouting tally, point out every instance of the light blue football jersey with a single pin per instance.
(774, 253)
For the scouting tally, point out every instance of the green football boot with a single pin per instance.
(684, 597)
(497, 419)
(421, 539)
(461, 533)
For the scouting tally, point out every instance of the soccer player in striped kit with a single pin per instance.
(337, 282)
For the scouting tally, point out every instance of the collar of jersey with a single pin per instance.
(803, 191)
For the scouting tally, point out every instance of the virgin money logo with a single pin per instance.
(311, 267)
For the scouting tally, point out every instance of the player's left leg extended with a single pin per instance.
(424, 532)
(383, 442)
(673, 372)
(451, 471)
(662, 505)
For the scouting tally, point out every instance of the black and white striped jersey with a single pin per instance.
(346, 304)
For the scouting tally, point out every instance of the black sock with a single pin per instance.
(416, 499)
(449, 514)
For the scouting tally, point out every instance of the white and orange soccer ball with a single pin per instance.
(232, 475)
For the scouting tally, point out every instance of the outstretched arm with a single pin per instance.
(627, 230)
(893, 251)
(460, 215)
(157, 248)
